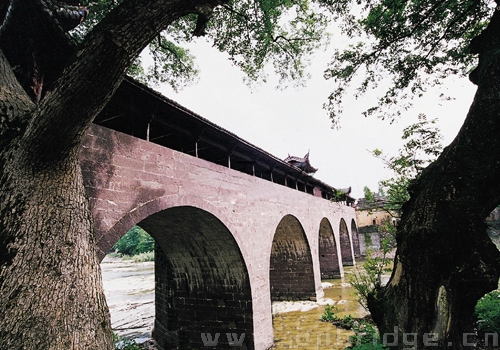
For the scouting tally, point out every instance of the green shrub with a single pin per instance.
(345, 322)
(329, 315)
(368, 281)
(370, 346)
(124, 343)
(488, 312)
(143, 257)
(135, 241)
(366, 335)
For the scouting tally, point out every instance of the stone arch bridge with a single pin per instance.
(228, 243)
(235, 228)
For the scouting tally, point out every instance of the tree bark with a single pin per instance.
(50, 285)
(445, 261)
(51, 292)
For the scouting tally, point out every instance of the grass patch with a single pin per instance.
(143, 257)
(366, 334)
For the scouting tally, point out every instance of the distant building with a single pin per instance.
(370, 214)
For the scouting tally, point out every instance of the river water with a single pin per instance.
(130, 293)
(129, 289)
(303, 329)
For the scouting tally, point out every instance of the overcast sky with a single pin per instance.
(293, 121)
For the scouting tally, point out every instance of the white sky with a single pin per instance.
(293, 121)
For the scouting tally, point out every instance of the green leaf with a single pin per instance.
(135, 241)
(411, 44)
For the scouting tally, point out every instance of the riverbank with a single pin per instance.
(129, 288)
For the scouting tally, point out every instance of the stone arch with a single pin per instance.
(328, 258)
(142, 210)
(355, 239)
(202, 283)
(291, 267)
(345, 244)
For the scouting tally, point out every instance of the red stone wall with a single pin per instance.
(129, 180)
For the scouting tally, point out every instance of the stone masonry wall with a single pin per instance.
(129, 180)
(328, 257)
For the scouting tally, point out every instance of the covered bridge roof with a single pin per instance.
(137, 110)
(301, 163)
(140, 111)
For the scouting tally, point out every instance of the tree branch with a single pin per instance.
(174, 54)
(230, 9)
(285, 50)
(15, 104)
(95, 72)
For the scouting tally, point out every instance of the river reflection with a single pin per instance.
(304, 329)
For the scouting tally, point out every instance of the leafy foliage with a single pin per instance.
(368, 280)
(135, 241)
(346, 322)
(423, 145)
(124, 343)
(141, 257)
(328, 314)
(415, 43)
(369, 195)
(366, 334)
(257, 34)
(370, 346)
(338, 196)
(488, 312)
(98, 9)
(283, 34)
(172, 64)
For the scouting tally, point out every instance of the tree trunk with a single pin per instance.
(51, 289)
(51, 292)
(445, 261)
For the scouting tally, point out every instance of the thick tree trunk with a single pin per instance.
(445, 261)
(51, 292)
